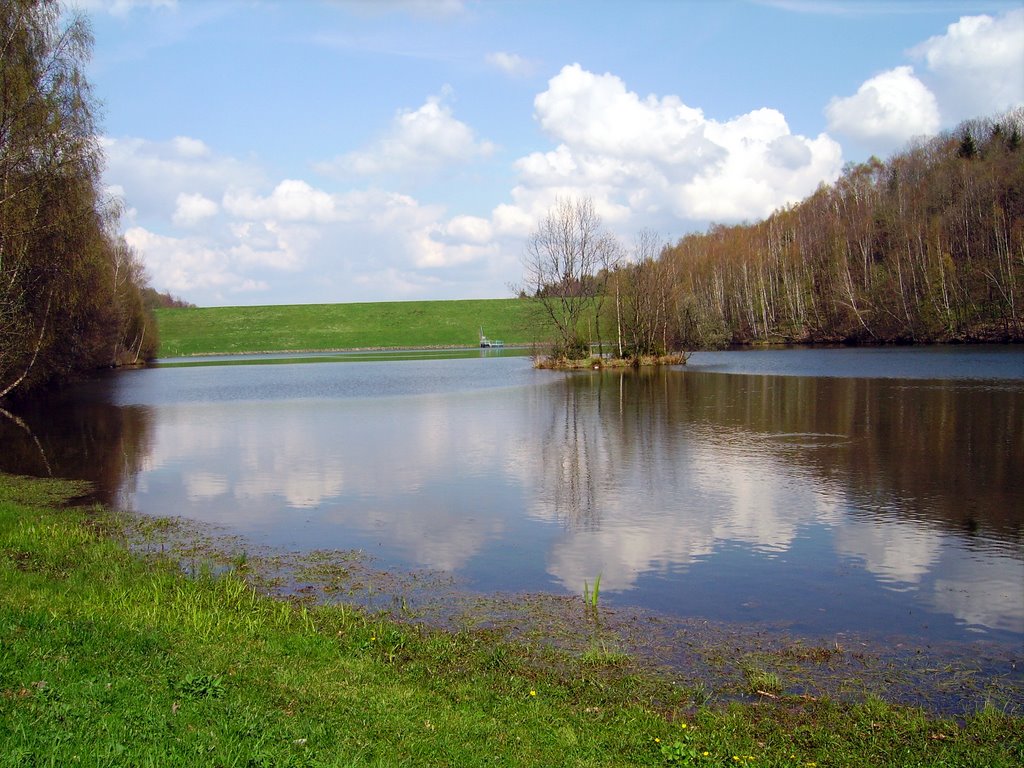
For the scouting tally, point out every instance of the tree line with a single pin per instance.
(71, 289)
(154, 299)
(927, 246)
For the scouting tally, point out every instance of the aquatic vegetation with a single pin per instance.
(590, 597)
(762, 682)
(700, 694)
(600, 655)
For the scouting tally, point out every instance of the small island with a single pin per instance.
(580, 276)
(599, 361)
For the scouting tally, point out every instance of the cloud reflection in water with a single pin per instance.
(545, 484)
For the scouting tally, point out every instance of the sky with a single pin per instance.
(319, 151)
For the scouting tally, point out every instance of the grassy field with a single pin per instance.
(307, 327)
(108, 659)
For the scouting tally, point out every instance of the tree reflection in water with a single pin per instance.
(824, 502)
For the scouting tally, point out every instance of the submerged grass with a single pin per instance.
(109, 658)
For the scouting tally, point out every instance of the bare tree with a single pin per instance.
(645, 300)
(566, 262)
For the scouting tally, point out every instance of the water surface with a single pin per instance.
(872, 491)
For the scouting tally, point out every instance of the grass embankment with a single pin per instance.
(111, 659)
(311, 327)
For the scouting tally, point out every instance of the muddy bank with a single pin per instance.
(714, 661)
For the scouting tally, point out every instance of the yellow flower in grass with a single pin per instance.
(533, 693)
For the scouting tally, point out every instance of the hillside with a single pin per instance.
(926, 246)
(309, 327)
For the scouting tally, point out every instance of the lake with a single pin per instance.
(820, 491)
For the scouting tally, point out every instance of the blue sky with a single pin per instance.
(349, 150)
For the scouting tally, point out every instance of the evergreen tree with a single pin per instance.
(968, 147)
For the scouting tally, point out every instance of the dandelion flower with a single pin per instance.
(533, 693)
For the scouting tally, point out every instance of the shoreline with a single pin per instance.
(346, 350)
(850, 667)
(738, 346)
(117, 657)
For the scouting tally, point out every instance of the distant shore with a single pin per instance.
(346, 327)
(411, 325)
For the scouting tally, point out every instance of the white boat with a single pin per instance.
(485, 342)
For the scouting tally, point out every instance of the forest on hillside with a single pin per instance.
(70, 287)
(927, 246)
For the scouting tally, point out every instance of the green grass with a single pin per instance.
(591, 596)
(307, 327)
(110, 659)
(762, 682)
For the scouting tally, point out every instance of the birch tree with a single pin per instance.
(60, 297)
(566, 263)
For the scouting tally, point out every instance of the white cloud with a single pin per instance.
(511, 63)
(645, 161)
(463, 239)
(211, 228)
(596, 114)
(184, 265)
(193, 208)
(656, 158)
(469, 229)
(345, 244)
(187, 147)
(420, 140)
(152, 175)
(271, 245)
(886, 111)
(975, 69)
(977, 66)
(291, 200)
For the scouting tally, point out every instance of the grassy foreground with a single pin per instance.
(107, 658)
(308, 327)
